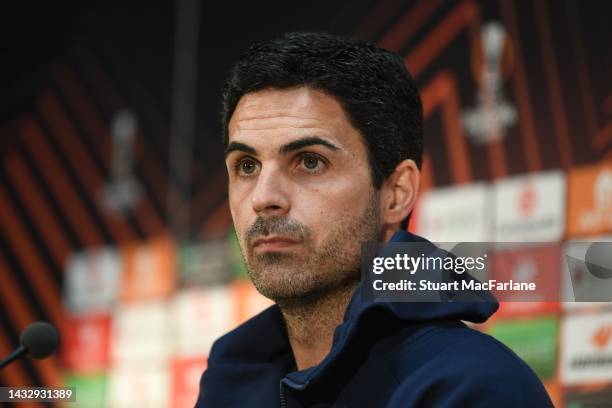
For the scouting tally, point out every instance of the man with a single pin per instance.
(323, 142)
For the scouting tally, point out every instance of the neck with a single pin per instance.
(311, 323)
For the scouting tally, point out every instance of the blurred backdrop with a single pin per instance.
(114, 222)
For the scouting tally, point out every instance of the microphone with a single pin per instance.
(38, 340)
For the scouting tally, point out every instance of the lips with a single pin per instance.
(274, 242)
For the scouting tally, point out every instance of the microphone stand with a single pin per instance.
(21, 350)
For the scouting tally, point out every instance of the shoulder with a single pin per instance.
(453, 342)
(458, 361)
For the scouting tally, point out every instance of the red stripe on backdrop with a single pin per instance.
(409, 24)
(464, 15)
(37, 209)
(584, 80)
(376, 18)
(14, 375)
(56, 179)
(33, 266)
(602, 138)
(427, 177)
(12, 298)
(519, 82)
(218, 222)
(554, 85)
(206, 197)
(441, 92)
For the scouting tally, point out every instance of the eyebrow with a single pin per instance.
(304, 142)
(285, 149)
(237, 146)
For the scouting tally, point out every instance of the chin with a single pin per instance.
(285, 283)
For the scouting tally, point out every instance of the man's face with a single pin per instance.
(300, 192)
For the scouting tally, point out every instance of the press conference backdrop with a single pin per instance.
(114, 223)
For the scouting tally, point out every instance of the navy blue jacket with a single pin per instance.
(384, 354)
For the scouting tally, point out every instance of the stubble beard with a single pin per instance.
(316, 269)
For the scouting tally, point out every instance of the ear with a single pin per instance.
(400, 192)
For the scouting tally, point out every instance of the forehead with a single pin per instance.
(282, 114)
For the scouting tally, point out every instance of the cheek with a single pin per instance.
(324, 208)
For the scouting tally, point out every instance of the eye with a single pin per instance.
(312, 162)
(245, 167)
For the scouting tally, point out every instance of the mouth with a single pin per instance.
(274, 243)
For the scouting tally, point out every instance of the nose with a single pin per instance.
(270, 196)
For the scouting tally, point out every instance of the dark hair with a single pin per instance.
(379, 96)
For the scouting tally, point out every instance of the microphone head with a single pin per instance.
(41, 339)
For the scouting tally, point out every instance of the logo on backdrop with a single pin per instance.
(602, 336)
(527, 200)
(492, 62)
(602, 200)
(123, 191)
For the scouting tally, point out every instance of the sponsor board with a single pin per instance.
(455, 214)
(590, 200)
(586, 349)
(142, 332)
(236, 261)
(186, 374)
(201, 316)
(149, 269)
(91, 390)
(86, 343)
(534, 340)
(593, 398)
(249, 301)
(91, 281)
(530, 207)
(139, 386)
(540, 264)
(203, 263)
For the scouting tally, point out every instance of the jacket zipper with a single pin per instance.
(288, 382)
(283, 400)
